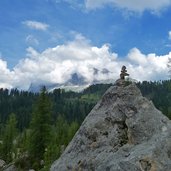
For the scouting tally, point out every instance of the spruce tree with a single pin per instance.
(40, 129)
(7, 151)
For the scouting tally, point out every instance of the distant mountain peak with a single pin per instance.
(76, 82)
(77, 79)
(105, 71)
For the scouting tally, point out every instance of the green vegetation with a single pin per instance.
(8, 150)
(40, 129)
(160, 93)
(36, 128)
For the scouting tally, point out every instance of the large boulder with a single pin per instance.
(123, 132)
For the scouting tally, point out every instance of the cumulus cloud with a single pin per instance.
(7, 77)
(58, 64)
(132, 5)
(148, 67)
(36, 25)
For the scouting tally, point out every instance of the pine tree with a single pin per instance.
(72, 130)
(40, 128)
(8, 139)
(62, 135)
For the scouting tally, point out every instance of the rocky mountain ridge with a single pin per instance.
(123, 132)
(76, 83)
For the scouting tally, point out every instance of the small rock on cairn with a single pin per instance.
(123, 73)
(121, 81)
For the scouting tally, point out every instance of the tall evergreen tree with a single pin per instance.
(8, 139)
(40, 128)
(63, 132)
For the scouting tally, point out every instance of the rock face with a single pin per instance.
(123, 132)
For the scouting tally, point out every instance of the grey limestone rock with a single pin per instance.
(123, 132)
(10, 167)
(2, 163)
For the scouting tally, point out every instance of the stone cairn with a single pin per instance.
(123, 73)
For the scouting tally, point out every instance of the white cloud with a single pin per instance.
(137, 57)
(36, 25)
(131, 5)
(75, 4)
(148, 67)
(169, 34)
(7, 76)
(56, 65)
(31, 40)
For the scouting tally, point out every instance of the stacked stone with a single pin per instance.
(123, 73)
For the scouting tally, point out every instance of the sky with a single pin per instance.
(47, 41)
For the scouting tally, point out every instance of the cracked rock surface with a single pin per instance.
(123, 132)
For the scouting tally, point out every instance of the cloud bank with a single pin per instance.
(56, 65)
(131, 5)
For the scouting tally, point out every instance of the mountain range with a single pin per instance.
(76, 83)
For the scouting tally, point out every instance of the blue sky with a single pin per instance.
(126, 32)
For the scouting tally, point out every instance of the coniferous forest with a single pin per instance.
(35, 128)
